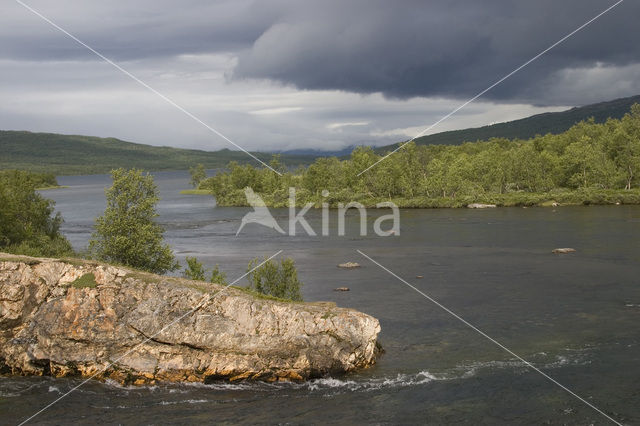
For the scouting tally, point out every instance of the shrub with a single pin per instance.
(27, 223)
(218, 277)
(198, 174)
(126, 233)
(277, 280)
(194, 269)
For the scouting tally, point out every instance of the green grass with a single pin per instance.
(45, 188)
(196, 191)
(88, 280)
(258, 295)
(19, 258)
(564, 197)
(85, 281)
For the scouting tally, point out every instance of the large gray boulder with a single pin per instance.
(110, 325)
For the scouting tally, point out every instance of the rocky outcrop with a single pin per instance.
(349, 265)
(81, 318)
(481, 206)
(563, 250)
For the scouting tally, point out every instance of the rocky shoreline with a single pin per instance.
(82, 318)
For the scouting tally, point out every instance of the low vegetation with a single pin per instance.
(590, 163)
(217, 276)
(85, 281)
(279, 280)
(196, 271)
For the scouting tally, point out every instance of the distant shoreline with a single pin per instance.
(46, 188)
(556, 198)
(196, 192)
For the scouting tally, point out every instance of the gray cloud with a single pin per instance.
(450, 48)
(283, 74)
(438, 48)
(137, 30)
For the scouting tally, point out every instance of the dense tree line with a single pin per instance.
(589, 160)
(39, 180)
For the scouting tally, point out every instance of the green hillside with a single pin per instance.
(74, 155)
(526, 128)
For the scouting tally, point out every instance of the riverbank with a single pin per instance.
(555, 198)
(46, 188)
(196, 192)
(73, 317)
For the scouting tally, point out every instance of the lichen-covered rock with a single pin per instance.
(139, 328)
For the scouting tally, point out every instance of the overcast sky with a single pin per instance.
(305, 74)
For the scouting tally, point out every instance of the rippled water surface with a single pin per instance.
(576, 317)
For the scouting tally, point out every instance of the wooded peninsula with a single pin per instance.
(590, 163)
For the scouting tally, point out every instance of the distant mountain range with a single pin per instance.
(319, 153)
(73, 154)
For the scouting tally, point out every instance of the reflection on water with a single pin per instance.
(574, 316)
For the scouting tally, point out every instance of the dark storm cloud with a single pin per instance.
(402, 49)
(439, 48)
(133, 30)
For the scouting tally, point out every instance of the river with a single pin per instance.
(576, 317)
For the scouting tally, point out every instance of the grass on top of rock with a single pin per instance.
(262, 296)
(85, 281)
(196, 192)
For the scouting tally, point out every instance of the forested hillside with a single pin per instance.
(526, 128)
(71, 154)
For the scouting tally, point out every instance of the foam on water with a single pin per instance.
(185, 401)
(327, 385)
(401, 380)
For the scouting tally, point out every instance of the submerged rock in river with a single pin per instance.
(563, 250)
(349, 265)
(82, 318)
(481, 206)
